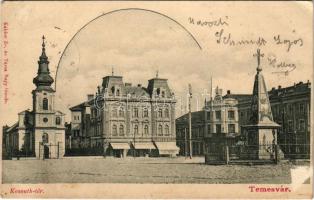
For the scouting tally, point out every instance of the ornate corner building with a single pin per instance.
(122, 120)
(40, 132)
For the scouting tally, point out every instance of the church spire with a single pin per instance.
(43, 58)
(43, 80)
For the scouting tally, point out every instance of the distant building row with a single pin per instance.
(226, 115)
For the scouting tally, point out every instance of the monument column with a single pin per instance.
(262, 130)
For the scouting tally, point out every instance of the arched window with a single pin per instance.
(163, 94)
(146, 129)
(167, 130)
(166, 112)
(45, 138)
(45, 104)
(158, 91)
(121, 112)
(114, 129)
(145, 112)
(135, 129)
(160, 130)
(121, 130)
(118, 92)
(58, 120)
(160, 113)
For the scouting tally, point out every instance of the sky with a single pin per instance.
(136, 43)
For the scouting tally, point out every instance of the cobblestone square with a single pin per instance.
(140, 170)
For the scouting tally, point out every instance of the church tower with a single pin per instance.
(48, 123)
(43, 95)
(262, 130)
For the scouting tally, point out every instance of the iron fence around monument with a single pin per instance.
(263, 153)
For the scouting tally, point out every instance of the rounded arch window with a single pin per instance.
(158, 91)
(146, 129)
(135, 129)
(58, 120)
(45, 104)
(45, 138)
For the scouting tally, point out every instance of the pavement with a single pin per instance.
(98, 169)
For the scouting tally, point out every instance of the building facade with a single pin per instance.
(290, 108)
(218, 120)
(39, 132)
(122, 119)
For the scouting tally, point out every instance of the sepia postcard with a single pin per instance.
(156, 99)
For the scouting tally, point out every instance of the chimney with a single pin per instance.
(128, 84)
(228, 92)
(279, 87)
(90, 97)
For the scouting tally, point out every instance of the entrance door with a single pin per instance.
(46, 151)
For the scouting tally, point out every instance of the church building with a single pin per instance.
(38, 133)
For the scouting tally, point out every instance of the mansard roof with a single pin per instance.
(137, 91)
(196, 116)
(12, 128)
(78, 107)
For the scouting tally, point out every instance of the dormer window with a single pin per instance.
(163, 94)
(158, 91)
(45, 104)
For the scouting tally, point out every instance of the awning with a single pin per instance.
(143, 145)
(120, 145)
(167, 147)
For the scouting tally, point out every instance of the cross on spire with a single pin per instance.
(157, 73)
(258, 55)
(43, 45)
(43, 56)
(112, 71)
